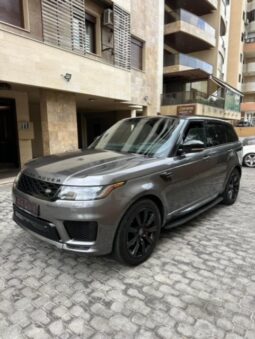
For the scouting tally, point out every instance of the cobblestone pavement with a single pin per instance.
(200, 283)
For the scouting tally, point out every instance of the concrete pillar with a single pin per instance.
(133, 113)
(59, 122)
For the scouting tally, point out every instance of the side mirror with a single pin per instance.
(191, 146)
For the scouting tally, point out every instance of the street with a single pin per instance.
(199, 283)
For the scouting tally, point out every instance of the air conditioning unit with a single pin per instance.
(247, 22)
(108, 17)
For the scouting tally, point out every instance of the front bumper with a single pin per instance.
(49, 224)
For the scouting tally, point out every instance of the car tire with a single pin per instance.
(138, 233)
(249, 160)
(232, 188)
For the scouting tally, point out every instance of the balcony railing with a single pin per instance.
(192, 97)
(188, 61)
(192, 19)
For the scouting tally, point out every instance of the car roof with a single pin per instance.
(190, 117)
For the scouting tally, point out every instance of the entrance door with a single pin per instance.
(8, 135)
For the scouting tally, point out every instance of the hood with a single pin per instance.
(88, 167)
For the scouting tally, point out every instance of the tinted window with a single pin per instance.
(195, 132)
(231, 134)
(215, 134)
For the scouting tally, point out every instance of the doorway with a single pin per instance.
(9, 155)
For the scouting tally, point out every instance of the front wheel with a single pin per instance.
(232, 188)
(138, 233)
(249, 160)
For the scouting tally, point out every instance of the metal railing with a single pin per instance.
(183, 15)
(188, 61)
(191, 97)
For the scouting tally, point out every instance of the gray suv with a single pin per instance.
(141, 175)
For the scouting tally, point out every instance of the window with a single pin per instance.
(195, 132)
(90, 33)
(230, 133)
(136, 53)
(215, 134)
(11, 12)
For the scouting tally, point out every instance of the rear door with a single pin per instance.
(220, 153)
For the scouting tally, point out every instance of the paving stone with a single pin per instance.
(199, 283)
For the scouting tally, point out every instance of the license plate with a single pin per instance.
(27, 205)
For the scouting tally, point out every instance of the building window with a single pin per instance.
(11, 12)
(90, 33)
(136, 53)
(240, 78)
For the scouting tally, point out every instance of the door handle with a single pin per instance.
(167, 175)
(206, 156)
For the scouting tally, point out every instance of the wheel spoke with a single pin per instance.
(132, 241)
(148, 239)
(145, 216)
(132, 230)
(135, 250)
(138, 219)
(150, 220)
(143, 249)
(152, 229)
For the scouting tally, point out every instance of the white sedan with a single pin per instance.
(249, 152)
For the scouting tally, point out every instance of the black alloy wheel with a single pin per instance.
(138, 233)
(232, 188)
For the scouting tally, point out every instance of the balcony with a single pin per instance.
(198, 7)
(248, 107)
(249, 47)
(185, 66)
(192, 97)
(249, 87)
(187, 33)
(249, 69)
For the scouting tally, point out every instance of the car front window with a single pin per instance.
(147, 136)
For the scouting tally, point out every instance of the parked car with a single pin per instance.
(141, 175)
(244, 123)
(249, 152)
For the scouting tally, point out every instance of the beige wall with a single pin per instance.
(34, 58)
(35, 116)
(22, 112)
(147, 84)
(235, 66)
(59, 122)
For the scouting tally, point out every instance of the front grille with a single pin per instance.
(81, 230)
(36, 225)
(38, 188)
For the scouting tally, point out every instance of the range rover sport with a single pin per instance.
(141, 175)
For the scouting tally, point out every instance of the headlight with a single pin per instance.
(86, 193)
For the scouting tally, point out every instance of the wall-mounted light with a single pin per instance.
(67, 76)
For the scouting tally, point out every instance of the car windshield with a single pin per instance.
(147, 136)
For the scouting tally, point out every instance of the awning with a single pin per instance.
(223, 84)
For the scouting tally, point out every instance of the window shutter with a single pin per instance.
(64, 23)
(122, 37)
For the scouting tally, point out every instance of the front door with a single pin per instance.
(190, 174)
(8, 135)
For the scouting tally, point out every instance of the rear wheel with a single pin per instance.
(249, 160)
(138, 233)
(232, 188)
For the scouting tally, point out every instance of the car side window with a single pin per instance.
(231, 134)
(195, 132)
(215, 134)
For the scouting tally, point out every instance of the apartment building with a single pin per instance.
(248, 105)
(71, 68)
(195, 56)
